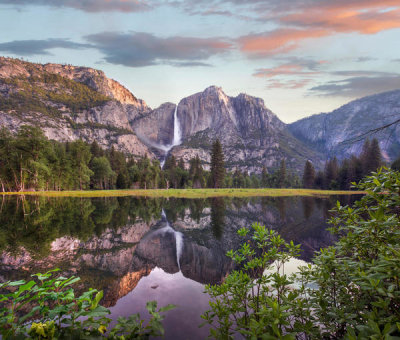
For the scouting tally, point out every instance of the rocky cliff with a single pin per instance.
(335, 133)
(69, 103)
(252, 136)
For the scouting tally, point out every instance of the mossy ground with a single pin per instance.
(189, 193)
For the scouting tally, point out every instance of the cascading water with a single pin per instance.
(177, 138)
(177, 129)
(178, 238)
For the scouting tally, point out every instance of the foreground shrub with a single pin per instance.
(47, 308)
(351, 290)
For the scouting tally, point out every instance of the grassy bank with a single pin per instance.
(189, 193)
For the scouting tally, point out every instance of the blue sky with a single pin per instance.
(301, 56)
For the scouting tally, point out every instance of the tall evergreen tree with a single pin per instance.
(374, 159)
(345, 175)
(396, 164)
(264, 177)
(308, 175)
(331, 173)
(217, 165)
(282, 174)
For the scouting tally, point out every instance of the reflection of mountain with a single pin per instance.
(112, 247)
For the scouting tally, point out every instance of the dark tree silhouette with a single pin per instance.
(217, 165)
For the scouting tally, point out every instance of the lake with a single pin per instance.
(141, 249)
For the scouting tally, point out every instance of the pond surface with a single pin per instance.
(141, 249)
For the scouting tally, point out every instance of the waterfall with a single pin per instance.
(177, 138)
(178, 238)
(177, 129)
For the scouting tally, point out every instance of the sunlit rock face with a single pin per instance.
(156, 128)
(336, 133)
(108, 123)
(252, 136)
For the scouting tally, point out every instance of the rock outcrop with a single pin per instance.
(335, 133)
(70, 103)
(252, 136)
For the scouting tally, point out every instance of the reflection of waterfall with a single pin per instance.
(179, 247)
(176, 139)
(178, 238)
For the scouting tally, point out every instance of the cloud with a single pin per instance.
(364, 59)
(277, 41)
(358, 86)
(189, 64)
(297, 21)
(365, 17)
(143, 49)
(295, 66)
(288, 84)
(88, 5)
(38, 47)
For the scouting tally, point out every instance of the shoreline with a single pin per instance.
(188, 193)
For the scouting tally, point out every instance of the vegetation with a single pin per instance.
(340, 176)
(46, 308)
(217, 165)
(308, 175)
(31, 162)
(190, 193)
(43, 91)
(351, 290)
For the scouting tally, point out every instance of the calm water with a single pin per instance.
(138, 249)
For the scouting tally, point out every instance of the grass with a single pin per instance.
(190, 193)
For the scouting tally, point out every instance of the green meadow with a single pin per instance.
(189, 193)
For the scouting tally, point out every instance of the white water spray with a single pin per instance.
(178, 238)
(177, 138)
(177, 129)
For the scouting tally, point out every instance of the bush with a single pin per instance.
(46, 308)
(351, 290)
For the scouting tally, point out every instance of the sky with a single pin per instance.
(301, 56)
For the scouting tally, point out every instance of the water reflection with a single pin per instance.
(138, 249)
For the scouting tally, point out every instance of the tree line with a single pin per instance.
(30, 161)
(340, 175)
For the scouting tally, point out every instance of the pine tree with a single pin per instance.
(308, 175)
(374, 159)
(217, 165)
(396, 164)
(345, 175)
(331, 173)
(264, 177)
(282, 174)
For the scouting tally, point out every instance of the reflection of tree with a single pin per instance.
(196, 208)
(281, 201)
(308, 206)
(218, 209)
(33, 223)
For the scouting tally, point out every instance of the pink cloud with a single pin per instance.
(289, 84)
(278, 41)
(316, 19)
(286, 69)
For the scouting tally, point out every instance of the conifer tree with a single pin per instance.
(396, 164)
(331, 173)
(217, 165)
(374, 158)
(308, 175)
(264, 177)
(282, 174)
